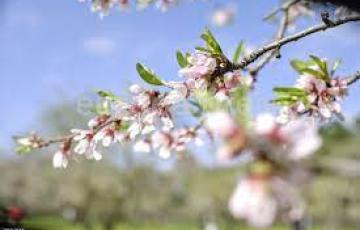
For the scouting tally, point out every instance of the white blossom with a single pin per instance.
(178, 94)
(164, 5)
(253, 202)
(222, 17)
(135, 89)
(86, 144)
(108, 135)
(162, 141)
(60, 159)
(221, 123)
(134, 130)
(265, 124)
(142, 146)
(302, 138)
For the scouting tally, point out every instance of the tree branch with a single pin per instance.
(279, 35)
(292, 38)
(353, 78)
(71, 136)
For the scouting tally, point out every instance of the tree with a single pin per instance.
(216, 87)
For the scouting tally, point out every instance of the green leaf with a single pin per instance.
(107, 95)
(322, 65)
(240, 104)
(261, 167)
(147, 75)
(289, 91)
(288, 95)
(199, 48)
(207, 101)
(181, 59)
(298, 65)
(22, 149)
(335, 66)
(238, 51)
(211, 42)
(284, 101)
(102, 108)
(316, 73)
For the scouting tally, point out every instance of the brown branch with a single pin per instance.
(279, 35)
(353, 78)
(292, 38)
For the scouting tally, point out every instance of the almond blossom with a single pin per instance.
(224, 126)
(86, 144)
(222, 17)
(231, 81)
(178, 93)
(253, 201)
(260, 198)
(97, 121)
(324, 100)
(60, 160)
(201, 65)
(142, 146)
(297, 139)
(164, 5)
(168, 142)
(109, 135)
(104, 6)
(149, 109)
(221, 123)
(175, 141)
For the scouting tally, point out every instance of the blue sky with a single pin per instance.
(58, 50)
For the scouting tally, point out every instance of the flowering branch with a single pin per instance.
(216, 87)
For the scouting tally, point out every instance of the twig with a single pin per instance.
(283, 7)
(279, 35)
(353, 78)
(71, 136)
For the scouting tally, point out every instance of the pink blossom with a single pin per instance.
(201, 65)
(179, 93)
(252, 200)
(221, 123)
(222, 17)
(297, 138)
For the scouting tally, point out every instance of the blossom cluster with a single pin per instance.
(316, 93)
(103, 6)
(293, 141)
(264, 193)
(147, 119)
(259, 199)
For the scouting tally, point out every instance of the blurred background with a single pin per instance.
(54, 54)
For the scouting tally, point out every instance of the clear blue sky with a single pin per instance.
(56, 50)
